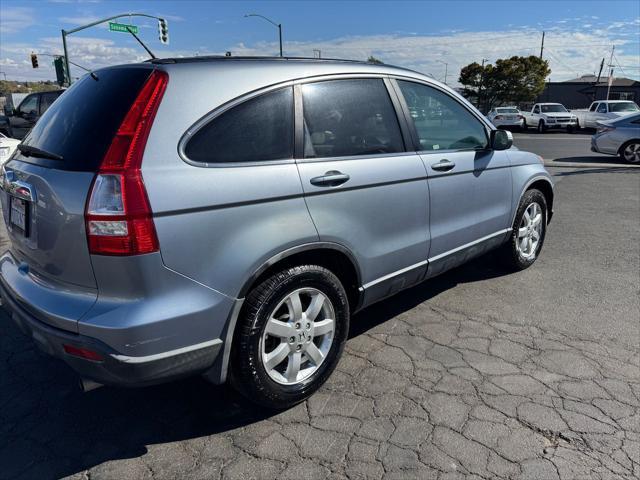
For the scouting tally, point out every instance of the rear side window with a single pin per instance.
(29, 106)
(80, 125)
(256, 130)
(441, 122)
(349, 117)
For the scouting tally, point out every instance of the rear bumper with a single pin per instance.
(508, 123)
(114, 368)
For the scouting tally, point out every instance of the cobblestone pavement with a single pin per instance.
(445, 381)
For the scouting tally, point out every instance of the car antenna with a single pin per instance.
(91, 73)
(153, 57)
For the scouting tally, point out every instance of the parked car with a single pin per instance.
(22, 119)
(7, 147)
(619, 137)
(187, 224)
(545, 116)
(603, 110)
(506, 117)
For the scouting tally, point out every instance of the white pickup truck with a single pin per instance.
(602, 110)
(544, 116)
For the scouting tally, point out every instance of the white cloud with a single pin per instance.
(570, 52)
(15, 19)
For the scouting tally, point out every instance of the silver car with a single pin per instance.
(619, 137)
(228, 216)
(506, 117)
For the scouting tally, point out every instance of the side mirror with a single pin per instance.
(501, 139)
(9, 111)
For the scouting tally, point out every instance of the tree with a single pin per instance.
(510, 80)
(375, 60)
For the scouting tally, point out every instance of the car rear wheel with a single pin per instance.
(528, 233)
(630, 152)
(290, 336)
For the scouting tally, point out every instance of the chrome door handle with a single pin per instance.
(332, 178)
(443, 165)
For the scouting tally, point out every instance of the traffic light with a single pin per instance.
(61, 72)
(163, 31)
(34, 60)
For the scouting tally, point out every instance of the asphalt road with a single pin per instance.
(478, 374)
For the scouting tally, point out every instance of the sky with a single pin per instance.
(433, 37)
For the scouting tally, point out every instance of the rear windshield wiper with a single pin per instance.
(30, 151)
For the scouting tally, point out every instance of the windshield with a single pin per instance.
(623, 107)
(552, 108)
(507, 110)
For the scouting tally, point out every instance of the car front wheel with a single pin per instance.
(541, 127)
(528, 233)
(290, 336)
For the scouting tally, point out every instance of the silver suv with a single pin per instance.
(227, 216)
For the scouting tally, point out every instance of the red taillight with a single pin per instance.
(118, 216)
(82, 353)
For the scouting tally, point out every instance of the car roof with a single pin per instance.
(549, 103)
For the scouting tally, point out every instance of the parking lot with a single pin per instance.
(476, 374)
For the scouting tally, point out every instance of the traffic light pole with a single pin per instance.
(93, 24)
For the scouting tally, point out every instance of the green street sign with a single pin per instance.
(122, 27)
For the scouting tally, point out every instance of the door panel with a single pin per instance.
(362, 189)
(380, 213)
(469, 184)
(470, 201)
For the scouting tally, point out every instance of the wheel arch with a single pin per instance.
(624, 145)
(543, 184)
(332, 256)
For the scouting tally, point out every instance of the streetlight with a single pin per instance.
(279, 25)
(446, 66)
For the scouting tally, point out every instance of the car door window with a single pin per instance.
(46, 100)
(29, 106)
(441, 122)
(602, 108)
(349, 117)
(536, 109)
(593, 107)
(258, 129)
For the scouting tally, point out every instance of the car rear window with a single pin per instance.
(81, 123)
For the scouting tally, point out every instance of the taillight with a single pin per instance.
(498, 117)
(118, 216)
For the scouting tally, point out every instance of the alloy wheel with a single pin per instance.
(298, 336)
(631, 153)
(530, 231)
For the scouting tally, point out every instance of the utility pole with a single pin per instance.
(481, 85)
(613, 47)
(542, 46)
(278, 25)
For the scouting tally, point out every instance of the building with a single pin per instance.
(580, 92)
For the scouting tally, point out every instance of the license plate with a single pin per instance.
(18, 214)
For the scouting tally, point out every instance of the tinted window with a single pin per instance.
(349, 117)
(602, 108)
(441, 122)
(593, 107)
(536, 109)
(29, 105)
(256, 130)
(553, 109)
(46, 100)
(80, 125)
(508, 110)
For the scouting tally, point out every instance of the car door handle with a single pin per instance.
(443, 165)
(332, 178)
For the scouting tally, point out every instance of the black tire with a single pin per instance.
(634, 143)
(570, 130)
(577, 125)
(541, 127)
(509, 253)
(525, 127)
(248, 374)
